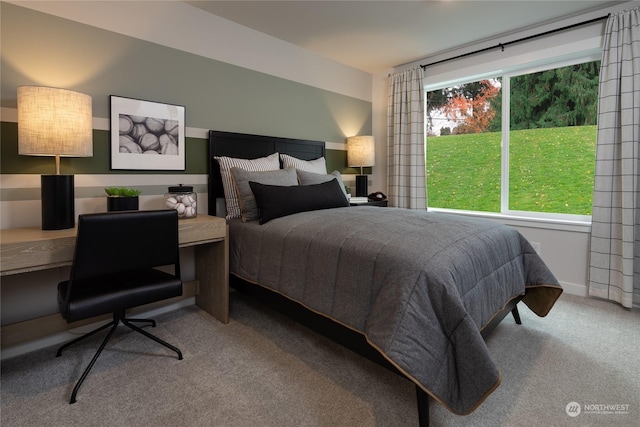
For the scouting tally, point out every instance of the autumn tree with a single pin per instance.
(473, 114)
(438, 99)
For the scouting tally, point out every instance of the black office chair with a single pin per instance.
(113, 270)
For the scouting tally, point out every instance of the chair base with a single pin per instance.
(117, 318)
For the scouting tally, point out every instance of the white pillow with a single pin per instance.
(271, 162)
(316, 166)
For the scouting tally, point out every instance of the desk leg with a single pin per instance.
(212, 272)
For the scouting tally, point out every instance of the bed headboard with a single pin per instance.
(245, 146)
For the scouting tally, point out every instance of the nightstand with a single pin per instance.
(381, 203)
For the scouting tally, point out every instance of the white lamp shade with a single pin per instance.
(361, 151)
(54, 122)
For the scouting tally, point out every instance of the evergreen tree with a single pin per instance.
(560, 97)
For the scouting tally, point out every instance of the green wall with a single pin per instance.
(196, 156)
(40, 49)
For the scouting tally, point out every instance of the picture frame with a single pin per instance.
(147, 135)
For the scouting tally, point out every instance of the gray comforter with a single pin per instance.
(420, 286)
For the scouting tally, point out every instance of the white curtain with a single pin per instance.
(614, 270)
(406, 140)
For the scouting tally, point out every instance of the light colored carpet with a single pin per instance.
(264, 370)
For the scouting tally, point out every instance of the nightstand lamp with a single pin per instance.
(361, 153)
(55, 122)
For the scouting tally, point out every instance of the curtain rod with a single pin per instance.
(502, 45)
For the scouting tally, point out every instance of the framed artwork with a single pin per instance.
(147, 135)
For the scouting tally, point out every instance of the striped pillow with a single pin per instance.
(316, 166)
(271, 162)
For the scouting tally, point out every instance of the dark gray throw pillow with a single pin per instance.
(247, 202)
(276, 201)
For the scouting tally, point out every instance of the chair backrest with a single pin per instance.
(115, 242)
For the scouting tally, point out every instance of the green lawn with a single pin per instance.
(551, 170)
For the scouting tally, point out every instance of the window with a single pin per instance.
(520, 143)
(463, 147)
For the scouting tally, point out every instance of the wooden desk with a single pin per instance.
(32, 249)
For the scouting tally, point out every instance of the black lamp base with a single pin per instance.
(58, 200)
(361, 186)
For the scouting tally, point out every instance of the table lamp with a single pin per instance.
(55, 122)
(361, 153)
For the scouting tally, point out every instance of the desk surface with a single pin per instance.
(32, 249)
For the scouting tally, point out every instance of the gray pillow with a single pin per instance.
(246, 200)
(310, 178)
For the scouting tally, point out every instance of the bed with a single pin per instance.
(414, 290)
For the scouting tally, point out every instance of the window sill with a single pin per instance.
(577, 226)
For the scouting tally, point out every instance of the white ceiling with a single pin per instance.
(375, 36)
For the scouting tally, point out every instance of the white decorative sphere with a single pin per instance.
(170, 202)
(189, 212)
(187, 199)
(180, 208)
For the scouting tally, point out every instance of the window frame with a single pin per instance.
(506, 75)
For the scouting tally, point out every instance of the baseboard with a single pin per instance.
(574, 289)
(62, 337)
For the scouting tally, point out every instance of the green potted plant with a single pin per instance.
(122, 199)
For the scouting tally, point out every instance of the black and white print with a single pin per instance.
(147, 135)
